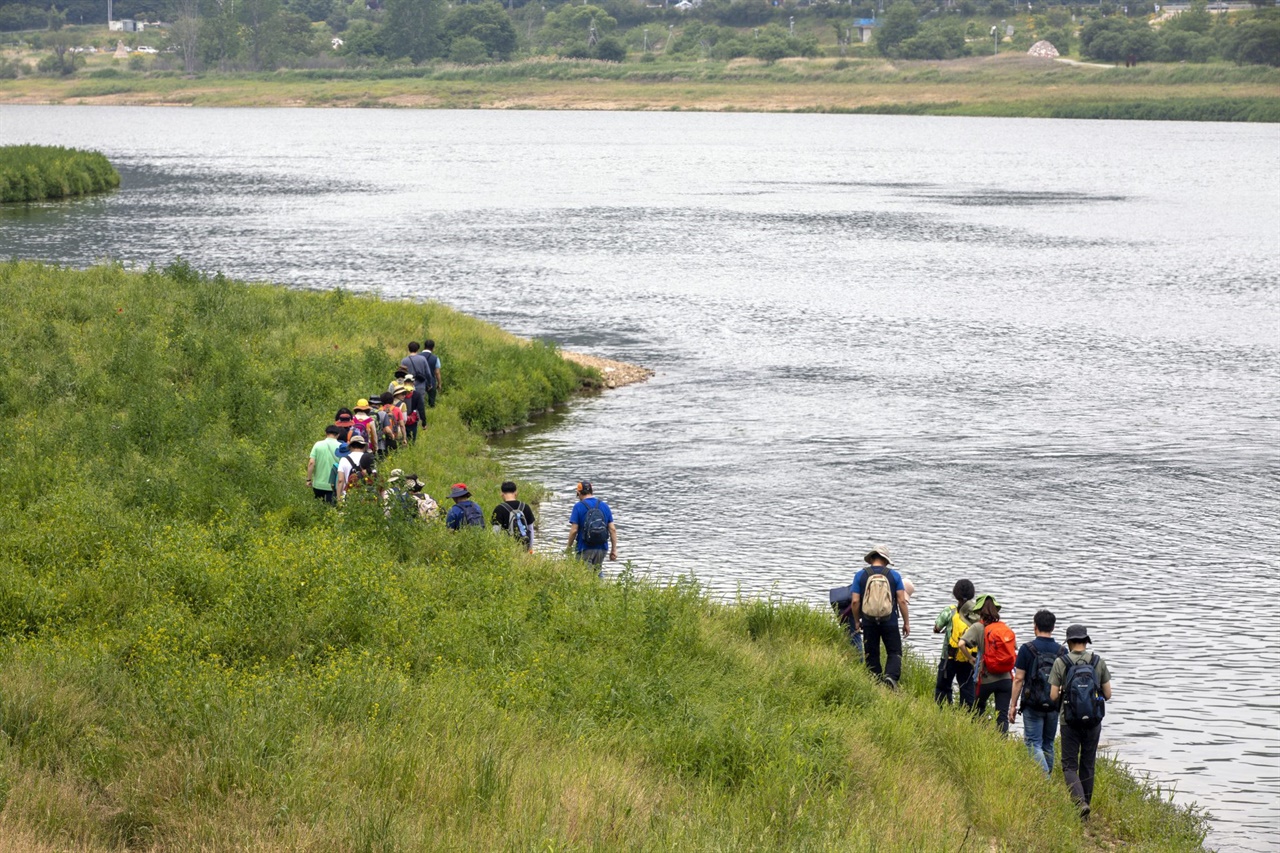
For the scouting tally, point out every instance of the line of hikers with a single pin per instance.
(1046, 682)
(346, 459)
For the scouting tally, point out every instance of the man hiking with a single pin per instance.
(356, 468)
(514, 516)
(1031, 683)
(417, 365)
(955, 663)
(464, 512)
(878, 597)
(591, 529)
(324, 458)
(432, 376)
(1081, 681)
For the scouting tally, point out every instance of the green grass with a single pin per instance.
(196, 655)
(39, 172)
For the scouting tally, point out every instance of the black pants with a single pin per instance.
(950, 670)
(325, 495)
(877, 631)
(431, 398)
(416, 404)
(1002, 692)
(1079, 753)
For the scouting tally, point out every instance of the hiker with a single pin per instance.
(324, 457)
(1031, 683)
(431, 379)
(342, 420)
(363, 422)
(1081, 681)
(427, 508)
(464, 512)
(878, 598)
(416, 365)
(398, 381)
(514, 516)
(955, 663)
(390, 424)
(591, 529)
(994, 644)
(356, 468)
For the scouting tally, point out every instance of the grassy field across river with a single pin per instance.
(197, 654)
(1007, 85)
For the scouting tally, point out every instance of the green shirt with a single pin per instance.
(325, 453)
(1059, 670)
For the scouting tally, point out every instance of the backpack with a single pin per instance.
(1082, 702)
(518, 525)
(956, 649)
(471, 514)
(877, 593)
(365, 426)
(595, 530)
(999, 648)
(384, 421)
(1036, 693)
(361, 472)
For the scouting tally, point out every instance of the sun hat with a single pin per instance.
(400, 392)
(395, 475)
(1078, 633)
(412, 483)
(357, 438)
(401, 371)
(343, 418)
(908, 588)
(878, 551)
(982, 599)
(362, 403)
(344, 449)
(459, 490)
(408, 377)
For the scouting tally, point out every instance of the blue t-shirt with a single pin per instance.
(579, 515)
(895, 580)
(457, 515)
(1026, 654)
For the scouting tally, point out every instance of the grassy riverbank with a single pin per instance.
(196, 655)
(1004, 86)
(39, 172)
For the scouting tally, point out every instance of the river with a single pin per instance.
(1044, 355)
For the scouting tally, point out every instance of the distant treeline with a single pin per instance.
(38, 172)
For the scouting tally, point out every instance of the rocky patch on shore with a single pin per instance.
(614, 374)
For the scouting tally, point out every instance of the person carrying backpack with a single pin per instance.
(356, 468)
(514, 517)
(591, 530)
(1031, 683)
(464, 512)
(1081, 681)
(996, 648)
(878, 597)
(390, 424)
(955, 663)
(416, 366)
(364, 423)
(324, 456)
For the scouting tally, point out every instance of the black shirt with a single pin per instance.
(502, 514)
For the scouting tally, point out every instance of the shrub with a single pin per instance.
(39, 172)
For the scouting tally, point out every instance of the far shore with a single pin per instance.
(1007, 85)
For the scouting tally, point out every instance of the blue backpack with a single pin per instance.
(595, 530)
(472, 515)
(1082, 702)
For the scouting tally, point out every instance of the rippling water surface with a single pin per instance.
(1041, 354)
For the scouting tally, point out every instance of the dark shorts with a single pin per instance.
(325, 495)
(593, 556)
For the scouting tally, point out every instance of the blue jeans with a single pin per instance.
(1039, 728)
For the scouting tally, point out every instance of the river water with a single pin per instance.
(1044, 355)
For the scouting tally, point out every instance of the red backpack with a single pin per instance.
(999, 648)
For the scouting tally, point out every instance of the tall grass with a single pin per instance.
(39, 172)
(194, 654)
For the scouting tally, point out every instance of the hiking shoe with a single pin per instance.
(890, 683)
(1084, 811)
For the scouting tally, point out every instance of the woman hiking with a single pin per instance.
(994, 644)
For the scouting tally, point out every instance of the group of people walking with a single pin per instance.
(1044, 681)
(346, 459)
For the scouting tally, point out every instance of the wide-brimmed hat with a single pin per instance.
(412, 483)
(362, 404)
(400, 392)
(459, 490)
(357, 438)
(878, 551)
(982, 599)
(344, 419)
(344, 449)
(1077, 634)
(395, 476)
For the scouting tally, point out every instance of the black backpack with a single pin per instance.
(1036, 693)
(595, 530)
(1082, 702)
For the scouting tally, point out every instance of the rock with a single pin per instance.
(1043, 49)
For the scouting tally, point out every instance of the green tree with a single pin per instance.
(1194, 20)
(610, 50)
(468, 50)
(412, 29)
(900, 23)
(570, 26)
(485, 22)
(1256, 40)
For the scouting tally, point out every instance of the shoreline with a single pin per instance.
(615, 374)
